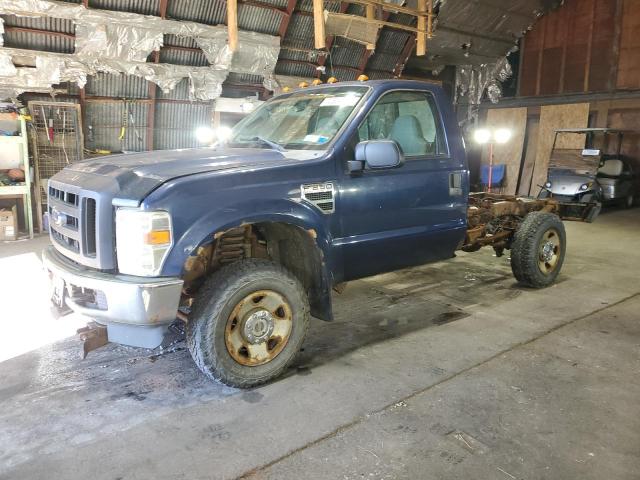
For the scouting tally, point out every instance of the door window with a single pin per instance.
(410, 119)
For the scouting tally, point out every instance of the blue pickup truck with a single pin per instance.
(246, 239)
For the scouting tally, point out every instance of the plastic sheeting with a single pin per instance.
(472, 81)
(123, 42)
(120, 42)
(353, 27)
(54, 68)
(257, 54)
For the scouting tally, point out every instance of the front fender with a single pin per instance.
(201, 232)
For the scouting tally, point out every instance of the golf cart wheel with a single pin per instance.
(248, 322)
(538, 250)
(628, 201)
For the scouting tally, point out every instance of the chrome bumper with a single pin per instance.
(122, 299)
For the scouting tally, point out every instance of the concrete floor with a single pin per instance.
(446, 371)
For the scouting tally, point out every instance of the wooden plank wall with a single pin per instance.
(585, 46)
(553, 117)
(629, 65)
(509, 154)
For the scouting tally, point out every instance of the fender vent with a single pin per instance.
(320, 195)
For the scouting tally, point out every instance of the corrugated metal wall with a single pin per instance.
(176, 123)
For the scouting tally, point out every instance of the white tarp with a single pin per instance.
(120, 42)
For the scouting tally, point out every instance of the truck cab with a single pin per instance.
(246, 239)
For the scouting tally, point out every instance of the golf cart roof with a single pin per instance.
(590, 130)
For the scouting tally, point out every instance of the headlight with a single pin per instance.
(585, 186)
(143, 240)
(547, 185)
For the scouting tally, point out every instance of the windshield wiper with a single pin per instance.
(264, 141)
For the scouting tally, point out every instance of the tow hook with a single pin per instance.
(93, 336)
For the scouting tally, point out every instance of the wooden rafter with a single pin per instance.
(232, 24)
(319, 32)
(422, 32)
(286, 19)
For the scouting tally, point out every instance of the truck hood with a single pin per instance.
(137, 174)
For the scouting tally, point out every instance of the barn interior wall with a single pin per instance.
(587, 51)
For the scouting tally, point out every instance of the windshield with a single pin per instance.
(305, 120)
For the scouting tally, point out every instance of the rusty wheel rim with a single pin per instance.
(258, 328)
(549, 252)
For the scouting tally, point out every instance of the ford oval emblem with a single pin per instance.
(57, 217)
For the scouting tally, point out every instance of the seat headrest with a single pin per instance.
(612, 168)
(407, 132)
(407, 125)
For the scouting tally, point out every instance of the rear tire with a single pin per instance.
(538, 250)
(248, 323)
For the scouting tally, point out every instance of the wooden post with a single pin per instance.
(421, 48)
(430, 20)
(232, 24)
(371, 15)
(318, 25)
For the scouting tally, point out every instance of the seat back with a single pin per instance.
(406, 131)
(611, 168)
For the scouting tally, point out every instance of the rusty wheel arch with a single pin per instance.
(293, 247)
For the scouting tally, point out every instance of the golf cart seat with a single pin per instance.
(611, 168)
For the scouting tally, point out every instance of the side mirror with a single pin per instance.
(376, 155)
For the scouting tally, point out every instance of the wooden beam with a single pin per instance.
(390, 7)
(421, 47)
(543, 33)
(366, 54)
(587, 65)
(232, 24)
(370, 13)
(404, 56)
(617, 40)
(37, 31)
(286, 19)
(319, 32)
(151, 109)
(163, 8)
(430, 19)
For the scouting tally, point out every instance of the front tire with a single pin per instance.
(538, 250)
(248, 322)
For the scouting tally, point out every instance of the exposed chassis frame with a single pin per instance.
(493, 219)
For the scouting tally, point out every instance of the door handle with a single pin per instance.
(455, 184)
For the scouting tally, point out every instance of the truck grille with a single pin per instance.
(89, 233)
(72, 221)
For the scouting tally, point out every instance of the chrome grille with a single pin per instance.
(72, 221)
(89, 233)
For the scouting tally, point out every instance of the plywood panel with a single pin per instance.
(509, 154)
(526, 176)
(629, 64)
(553, 117)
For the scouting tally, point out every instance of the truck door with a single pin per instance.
(411, 214)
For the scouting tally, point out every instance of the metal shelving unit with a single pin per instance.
(24, 191)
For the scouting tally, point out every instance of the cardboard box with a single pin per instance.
(9, 223)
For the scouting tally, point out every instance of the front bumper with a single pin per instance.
(115, 299)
